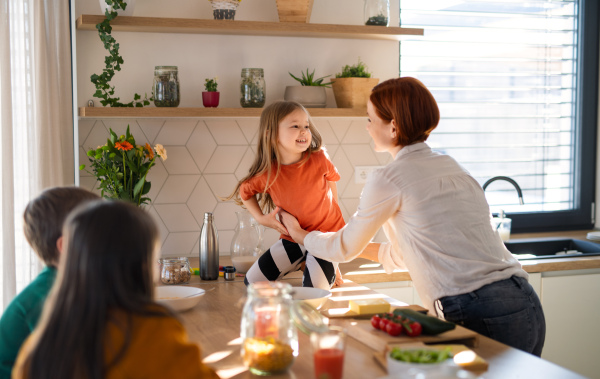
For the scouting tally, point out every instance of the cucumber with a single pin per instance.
(431, 325)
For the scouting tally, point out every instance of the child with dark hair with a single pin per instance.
(43, 220)
(101, 320)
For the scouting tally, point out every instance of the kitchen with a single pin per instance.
(206, 154)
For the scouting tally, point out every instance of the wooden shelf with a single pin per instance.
(250, 28)
(148, 112)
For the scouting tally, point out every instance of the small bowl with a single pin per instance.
(178, 298)
(316, 297)
(447, 367)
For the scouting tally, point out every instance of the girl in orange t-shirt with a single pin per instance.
(291, 171)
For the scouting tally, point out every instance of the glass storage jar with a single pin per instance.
(269, 337)
(174, 270)
(377, 12)
(252, 88)
(166, 86)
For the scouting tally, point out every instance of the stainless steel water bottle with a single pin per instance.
(209, 249)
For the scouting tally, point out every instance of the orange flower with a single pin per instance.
(149, 151)
(125, 146)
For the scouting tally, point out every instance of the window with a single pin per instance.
(516, 83)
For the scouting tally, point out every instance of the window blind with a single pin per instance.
(504, 76)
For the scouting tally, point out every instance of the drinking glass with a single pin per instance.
(328, 352)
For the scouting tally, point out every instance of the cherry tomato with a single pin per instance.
(383, 323)
(412, 329)
(393, 329)
(375, 321)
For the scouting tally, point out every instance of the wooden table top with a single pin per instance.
(214, 324)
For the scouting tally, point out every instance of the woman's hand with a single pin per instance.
(338, 278)
(293, 227)
(270, 221)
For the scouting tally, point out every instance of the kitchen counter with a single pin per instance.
(365, 271)
(215, 325)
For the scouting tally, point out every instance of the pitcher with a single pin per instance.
(246, 245)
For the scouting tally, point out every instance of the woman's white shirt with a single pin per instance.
(438, 222)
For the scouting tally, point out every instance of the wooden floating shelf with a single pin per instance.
(250, 28)
(148, 112)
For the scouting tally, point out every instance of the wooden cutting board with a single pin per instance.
(363, 331)
(347, 313)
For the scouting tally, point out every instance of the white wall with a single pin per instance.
(208, 156)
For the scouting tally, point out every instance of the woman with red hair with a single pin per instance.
(438, 223)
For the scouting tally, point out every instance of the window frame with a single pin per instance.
(584, 136)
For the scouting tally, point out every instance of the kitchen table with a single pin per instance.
(215, 325)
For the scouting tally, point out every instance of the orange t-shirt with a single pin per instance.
(302, 190)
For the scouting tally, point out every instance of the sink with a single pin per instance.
(551, 247)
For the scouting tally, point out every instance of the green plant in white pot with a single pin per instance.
(310, 93)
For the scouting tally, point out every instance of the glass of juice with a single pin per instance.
(328, 352)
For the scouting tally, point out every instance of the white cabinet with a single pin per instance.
(402, 291)
(571, 302)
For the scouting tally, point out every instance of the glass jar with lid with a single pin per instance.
(174, 270)
(252, 88)
(269, 336)
(377, 12)
(166, 86)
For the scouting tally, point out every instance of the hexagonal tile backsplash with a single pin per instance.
(206, 158)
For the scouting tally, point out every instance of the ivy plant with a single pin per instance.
(113, 61)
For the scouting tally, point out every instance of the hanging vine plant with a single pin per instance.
(113, 61)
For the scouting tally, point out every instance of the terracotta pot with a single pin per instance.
(210, 99)
(309, 96)
(294, 10)
(352, 92)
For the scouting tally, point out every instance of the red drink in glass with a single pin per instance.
(329, 363)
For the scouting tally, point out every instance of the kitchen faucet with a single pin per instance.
(507, 179)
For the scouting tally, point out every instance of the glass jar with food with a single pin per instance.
(377, 12)
(166, 86)
(174, 270)
(269, 337)
(252, 88)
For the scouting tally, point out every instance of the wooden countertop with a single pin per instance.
(215, 325)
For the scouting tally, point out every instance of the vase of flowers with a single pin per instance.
(210, 97)
(121, 167)
(224, 9)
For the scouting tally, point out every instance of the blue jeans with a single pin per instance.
(508, 311)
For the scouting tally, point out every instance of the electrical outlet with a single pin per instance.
(362, 172)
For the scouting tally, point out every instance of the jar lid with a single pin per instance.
(229, 269)
(307, 318)
(166, 68)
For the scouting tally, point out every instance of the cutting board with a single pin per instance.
(363, 331)
(468, 361)
(347, 313)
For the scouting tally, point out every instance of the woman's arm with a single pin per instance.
(268, 220)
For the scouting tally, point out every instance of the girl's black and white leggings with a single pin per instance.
(285, 257)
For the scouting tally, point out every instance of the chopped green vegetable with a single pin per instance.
(426, 356)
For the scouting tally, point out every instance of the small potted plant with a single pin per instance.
(310, 92)
(352, 87)
(210, 97)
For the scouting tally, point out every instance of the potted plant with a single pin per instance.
(310, 92)
(352, 87)
(210, 97)
(121, 167)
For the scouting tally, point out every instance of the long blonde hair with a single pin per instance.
(267, 153)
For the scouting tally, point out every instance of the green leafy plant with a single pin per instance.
(121, 167)
(210, 85)
(308, 79)
(358, 70)
(113, 61)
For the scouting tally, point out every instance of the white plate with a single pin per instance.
(178, 298)
(313, 296)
